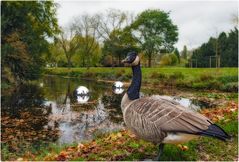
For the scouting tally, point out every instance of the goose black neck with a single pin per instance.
(134, 88)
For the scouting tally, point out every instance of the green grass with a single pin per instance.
(33, 152)
(224, 79)
(188, 72)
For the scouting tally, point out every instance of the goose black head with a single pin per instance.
(132, 59)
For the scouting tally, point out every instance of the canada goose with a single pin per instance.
(160, 120)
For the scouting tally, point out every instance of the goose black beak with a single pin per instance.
(124, 61)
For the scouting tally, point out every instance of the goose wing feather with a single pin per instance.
(153, 117)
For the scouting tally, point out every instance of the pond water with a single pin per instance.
(53, 107)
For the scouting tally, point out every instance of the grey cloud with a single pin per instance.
(196, 20)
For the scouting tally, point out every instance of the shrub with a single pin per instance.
(174, 59)
(128, 75)
(107, 61)
(162, 76)
(227, 79)
(74, 74)
(89, 74)
(184, 84)
(155, 83)
(230, 87)
(176, 75)
(146, 82)
(120, 73)
(206, 77)
(169, 59)
(212, 84)
(156, 75)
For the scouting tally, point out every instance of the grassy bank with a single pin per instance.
(123, 145)
(224, 79)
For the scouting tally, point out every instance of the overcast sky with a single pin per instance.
(196, 20)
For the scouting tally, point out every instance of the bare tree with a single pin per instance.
(87, 31)
(235, 19)
(70, 42)
(111, 20)
(86, 27)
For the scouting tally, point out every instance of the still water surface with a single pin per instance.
(54, 97)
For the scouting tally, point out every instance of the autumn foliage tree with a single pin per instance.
(25, 27)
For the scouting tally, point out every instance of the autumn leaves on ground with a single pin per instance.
(123, 145)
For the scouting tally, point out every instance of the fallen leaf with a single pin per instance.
(20, 159)
(80, 146)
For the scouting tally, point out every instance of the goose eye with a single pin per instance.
(130, 59)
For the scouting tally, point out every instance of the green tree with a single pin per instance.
(176, 52)
(174, 59)
(169, 59)
(185, 52)
(55, 56)
(155, 32)
(227, 50)
(25, 27)
(90, 57)
(120, 42)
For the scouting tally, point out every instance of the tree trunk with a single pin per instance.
(112, 61)
(83, 61)
(69, 63)
(118, 60)
(149, 60)
(88, 63)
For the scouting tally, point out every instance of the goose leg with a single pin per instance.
(161, 146)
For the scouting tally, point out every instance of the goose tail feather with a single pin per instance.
(216, 132)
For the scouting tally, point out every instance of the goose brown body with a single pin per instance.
(154, 118)
(160, 120)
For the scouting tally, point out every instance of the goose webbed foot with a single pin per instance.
(160, 151)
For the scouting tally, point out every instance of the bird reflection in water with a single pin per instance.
(118, 87)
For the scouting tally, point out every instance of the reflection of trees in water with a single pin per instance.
(27, 97)
(80, 121)
(112, 105)
(24, 118)
(75, 121)
(76, 125)
(56, 87)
